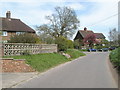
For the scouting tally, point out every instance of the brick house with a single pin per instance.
(81, 34)
(11, 26)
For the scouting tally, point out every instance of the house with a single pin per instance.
(81, 34)
(11, 26)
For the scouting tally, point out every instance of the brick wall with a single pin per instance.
(15, 65)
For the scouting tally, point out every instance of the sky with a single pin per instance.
(99, 16)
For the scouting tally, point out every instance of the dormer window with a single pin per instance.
(4, 33)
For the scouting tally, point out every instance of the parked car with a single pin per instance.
(112, 48)
(100, 50)
(105, 49)
(92, 50)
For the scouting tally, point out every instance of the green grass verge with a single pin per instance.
(74, 53)
(43, 62)
(115, 57)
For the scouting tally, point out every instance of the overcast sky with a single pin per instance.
(97, 15)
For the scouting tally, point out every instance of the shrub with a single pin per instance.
(62, 43)
(70, 44)
(76, 44)
(115, 57)
(24, 38)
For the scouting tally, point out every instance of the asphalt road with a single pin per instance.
(89, 71)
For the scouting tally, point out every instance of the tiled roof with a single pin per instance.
(10, 24)
(99, 35)
(84, 33)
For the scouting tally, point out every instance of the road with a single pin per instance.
(90, 71)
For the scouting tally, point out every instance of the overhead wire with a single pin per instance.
(106, 18)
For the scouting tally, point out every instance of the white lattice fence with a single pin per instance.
(10, 49)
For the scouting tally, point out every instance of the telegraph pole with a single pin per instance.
(119, 23)
(119, 42)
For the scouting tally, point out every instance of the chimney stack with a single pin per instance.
(8, 14)
(85, 29)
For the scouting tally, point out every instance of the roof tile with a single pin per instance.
(10, 24)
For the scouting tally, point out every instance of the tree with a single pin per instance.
(61, 23)
(90, 39)
(113, 37)
(24, 38)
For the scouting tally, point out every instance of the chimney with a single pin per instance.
(85, 29)
(8, 14)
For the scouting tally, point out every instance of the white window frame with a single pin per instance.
(4, 33)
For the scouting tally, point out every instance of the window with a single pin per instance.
(4, 33)
(20, 33)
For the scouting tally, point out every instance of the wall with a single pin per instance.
(11, 49)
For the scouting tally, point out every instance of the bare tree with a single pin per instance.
(113, 36)
(63, 22)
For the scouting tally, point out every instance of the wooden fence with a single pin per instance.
(11, 49)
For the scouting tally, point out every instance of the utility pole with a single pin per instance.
(119, 41)
(119, 23)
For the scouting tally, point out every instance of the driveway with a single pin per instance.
(90, 71)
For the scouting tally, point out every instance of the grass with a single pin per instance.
(74, 53)
(43, 62)
(115, 57)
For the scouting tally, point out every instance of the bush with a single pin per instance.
(62, 43)
(24, 38)
(115, 57)
(77, 44)
(70, 44)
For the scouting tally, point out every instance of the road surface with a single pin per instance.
(90, 71)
